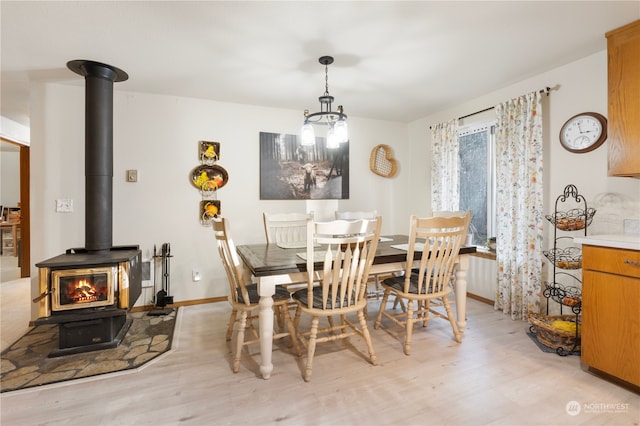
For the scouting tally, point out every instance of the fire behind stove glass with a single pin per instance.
(85, 288)
(82, 289)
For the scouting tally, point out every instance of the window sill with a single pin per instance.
(485, 253)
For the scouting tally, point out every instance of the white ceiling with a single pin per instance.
(394, 60)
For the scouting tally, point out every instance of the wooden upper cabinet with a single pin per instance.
(623, 51)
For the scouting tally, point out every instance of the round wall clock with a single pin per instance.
(584, 132)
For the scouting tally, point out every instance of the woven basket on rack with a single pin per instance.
(552, 337)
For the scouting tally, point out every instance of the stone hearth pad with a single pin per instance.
(25, 364)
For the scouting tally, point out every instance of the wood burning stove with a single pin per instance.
(89, 291)
(89, 295)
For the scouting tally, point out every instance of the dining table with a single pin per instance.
(273, 264)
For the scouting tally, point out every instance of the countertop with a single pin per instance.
(622, 241)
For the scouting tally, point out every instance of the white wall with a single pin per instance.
(158, 136)
(581, 86)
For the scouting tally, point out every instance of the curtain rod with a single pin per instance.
(546, 91)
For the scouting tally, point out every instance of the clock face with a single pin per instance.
(583, 132)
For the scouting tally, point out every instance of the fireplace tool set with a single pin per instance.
(162, 297)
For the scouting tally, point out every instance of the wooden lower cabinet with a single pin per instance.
(611, 311)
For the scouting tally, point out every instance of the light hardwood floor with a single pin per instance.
(9, 269)
(496, 376)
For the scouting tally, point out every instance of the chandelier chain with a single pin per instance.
(326, 80)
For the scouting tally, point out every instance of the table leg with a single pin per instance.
(461, 291)
(266, 290)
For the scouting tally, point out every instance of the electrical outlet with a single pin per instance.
(64, 206)
(132, 175)
(195, 275)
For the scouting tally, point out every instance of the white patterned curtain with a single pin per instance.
(520, 205)
(445, 162)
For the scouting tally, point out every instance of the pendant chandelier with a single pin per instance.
(336, 121)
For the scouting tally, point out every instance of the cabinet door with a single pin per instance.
(611, 324)
(623, 45)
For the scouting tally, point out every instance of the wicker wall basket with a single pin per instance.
(552, 337)
(381, 161)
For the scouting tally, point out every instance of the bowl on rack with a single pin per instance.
(565, 258)
(565, 295)
(572, 220)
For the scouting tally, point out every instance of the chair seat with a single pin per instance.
(397, 283)
(280, 294)
(302, 296)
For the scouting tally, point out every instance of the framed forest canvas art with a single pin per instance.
(290, 171)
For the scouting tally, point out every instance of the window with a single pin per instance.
(478, 178)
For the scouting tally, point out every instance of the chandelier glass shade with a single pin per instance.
(335, 121)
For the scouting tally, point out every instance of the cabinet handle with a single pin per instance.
(632, 262)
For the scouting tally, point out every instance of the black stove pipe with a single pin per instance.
(99, 79)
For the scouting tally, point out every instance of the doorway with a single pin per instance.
(15, 195)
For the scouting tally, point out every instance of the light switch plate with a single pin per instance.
(64, 205)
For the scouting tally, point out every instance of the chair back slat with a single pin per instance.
(347, 249)
(442, 238)
(230, 261)
(286, 227)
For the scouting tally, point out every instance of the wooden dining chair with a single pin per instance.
(286, 228)
(351, 215)
(444, 213)
(244, 297)
(340, 265)
(456, 213)
(426, 288)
